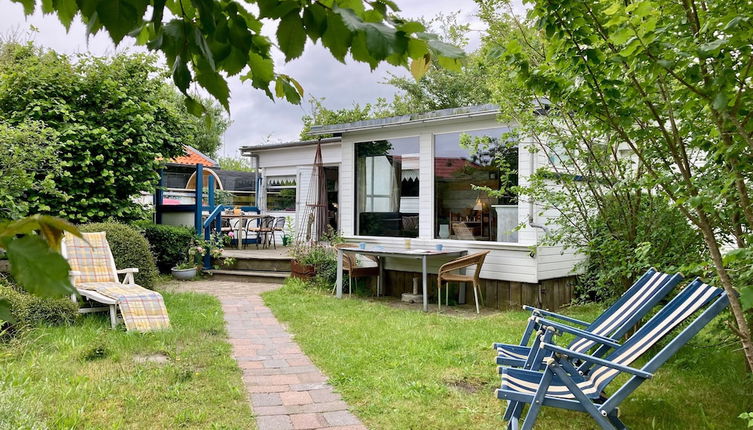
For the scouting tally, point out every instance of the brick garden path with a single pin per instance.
(286, 390)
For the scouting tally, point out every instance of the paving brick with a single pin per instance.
(323, 395)
(267, 388)
(266, 399)
(296, 398)
(274, 422)
(307, 421)
(340, 418)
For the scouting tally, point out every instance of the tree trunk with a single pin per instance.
(742, 329)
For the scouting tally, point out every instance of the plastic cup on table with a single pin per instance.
(362, 245)
(438, 247)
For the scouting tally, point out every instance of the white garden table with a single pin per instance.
(381, 252)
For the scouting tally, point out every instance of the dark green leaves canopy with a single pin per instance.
(205, 41)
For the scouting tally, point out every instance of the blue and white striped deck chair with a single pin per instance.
(612, 324)
(561, 386)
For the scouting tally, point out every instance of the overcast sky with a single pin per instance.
(255, 118)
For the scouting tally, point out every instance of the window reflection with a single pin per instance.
(468, 169)
(387, 187)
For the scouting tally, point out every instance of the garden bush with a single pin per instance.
(129, 248)
(169, 243)
(30, 310)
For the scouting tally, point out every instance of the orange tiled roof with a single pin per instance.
(192, 157)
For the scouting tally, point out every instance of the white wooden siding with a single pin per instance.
(557, 262)
(507, 261)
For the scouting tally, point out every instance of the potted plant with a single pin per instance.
(196, 252)
(184, 271)
(315, 259)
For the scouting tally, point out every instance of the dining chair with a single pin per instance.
(279, 225)
(350, 265)
(446, 274)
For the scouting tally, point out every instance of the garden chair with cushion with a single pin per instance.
(446, 274)
(95, 277)
(355, 270)
(612, 324)
(560, 385)
(263, 230)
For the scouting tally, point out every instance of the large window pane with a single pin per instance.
(463, 162)
(281, 194)
(387, 187)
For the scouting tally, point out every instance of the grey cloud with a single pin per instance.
(256, 118)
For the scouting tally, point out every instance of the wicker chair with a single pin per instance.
(350, 265)
(445, 275)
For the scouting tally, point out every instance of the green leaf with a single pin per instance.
(276, 9)
(158, 10)
(720, 101)
(611, 10)
(28, 6)
(5, 312)
(336, 37)
(315, 21)
(622, 35)
(379, 41)
(746, 298)
(120, 17)
(261, 68)
(194, 107)
(291, 37)
(67, 10)
(213, 82)
(181, 74)
(37, 268)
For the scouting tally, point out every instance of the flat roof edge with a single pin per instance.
(395, 121)
(262, 147)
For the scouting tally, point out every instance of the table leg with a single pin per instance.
(380, 281)
(339, 283)
(239, 236)
(425, 283)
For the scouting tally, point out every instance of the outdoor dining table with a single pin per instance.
(381, 252)
(240, 217)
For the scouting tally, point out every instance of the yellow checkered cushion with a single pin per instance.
(93, 260)
(142, 309)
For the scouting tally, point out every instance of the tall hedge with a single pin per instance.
(169, 243)
(115, 119)
(129, 248)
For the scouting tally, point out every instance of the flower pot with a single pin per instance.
(285, 240)
(183, 274)
(302, 271)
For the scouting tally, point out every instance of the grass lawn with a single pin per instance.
(403, 369)
(88, 376)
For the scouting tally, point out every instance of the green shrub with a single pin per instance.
(129, 248)
(169, 243)
(30, 310)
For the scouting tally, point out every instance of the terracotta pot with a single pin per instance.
(302, 271)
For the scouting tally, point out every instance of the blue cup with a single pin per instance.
(438, 247)
(362, 245)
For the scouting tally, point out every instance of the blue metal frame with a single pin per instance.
(202, 227)
(604, 413)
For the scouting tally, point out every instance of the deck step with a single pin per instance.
(265, 276)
